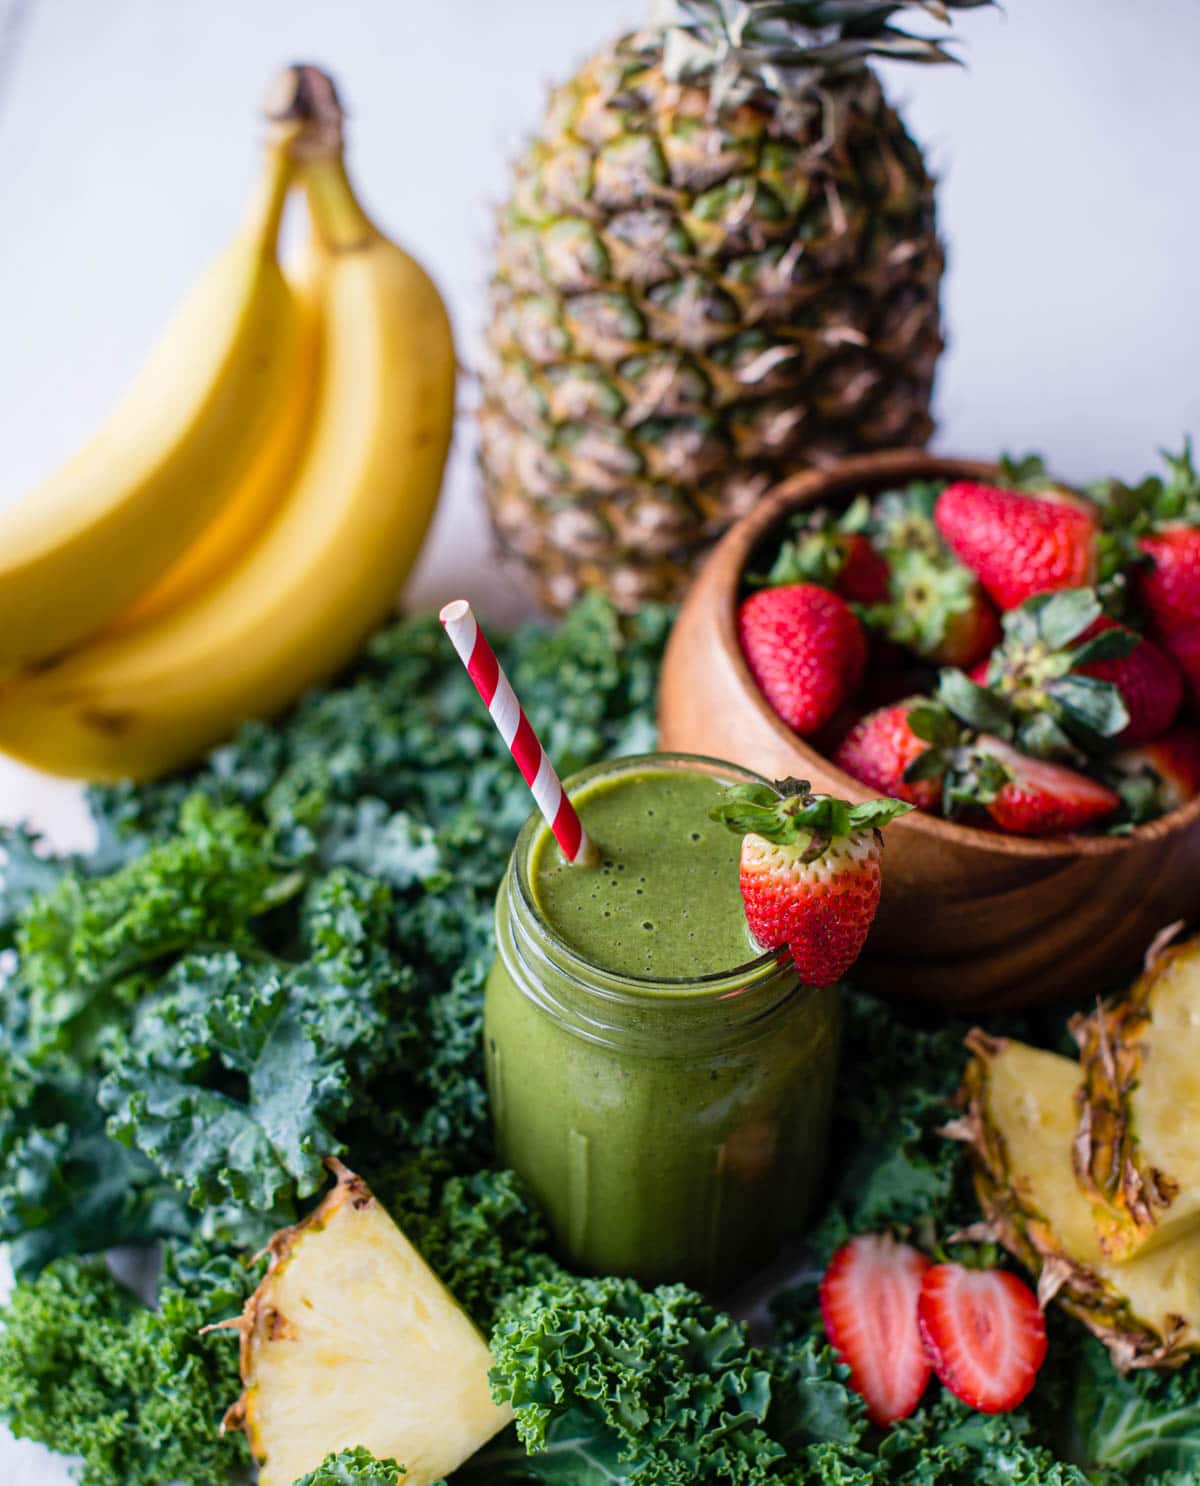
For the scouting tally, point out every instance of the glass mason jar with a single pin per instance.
(672, 1130)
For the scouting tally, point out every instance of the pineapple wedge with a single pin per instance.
(1020, 1122)
(1138, 1154)
(351, 1339)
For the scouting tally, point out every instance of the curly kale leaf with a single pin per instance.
(1144, 1427)
(66, 1187)
(80, 942)
(137, 1393)
(946, 1442)
(670, 1385)
(235, 1078)
(357, 1467)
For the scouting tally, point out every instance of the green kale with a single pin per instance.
(66, 1187)
(663, 1387)
(235, 1076)
(80, 943)
(357, 1467)
(137, 1393)
(1144, 1427)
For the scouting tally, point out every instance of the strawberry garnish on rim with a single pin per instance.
(810, 870)
(984, 1333)
(869, 1306)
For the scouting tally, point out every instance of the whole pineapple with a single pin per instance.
(719, 266)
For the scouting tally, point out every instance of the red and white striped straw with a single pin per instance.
(517, 731)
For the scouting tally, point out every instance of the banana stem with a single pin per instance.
(340, 224)
(266, 210)
(306, 118)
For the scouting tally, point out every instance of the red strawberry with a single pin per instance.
(1149, 681)
(979, 671)
(936, 608)
(1019, 544)
(869, 1306)
(1174, 758)
(810, 871)
(1040, 798)
(969, 635)
(880, 747)
(984, 1333)
(1169, 590)
(805, 648)
(863, 578)
(1169, 586)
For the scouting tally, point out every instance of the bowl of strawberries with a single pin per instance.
(1018, 660)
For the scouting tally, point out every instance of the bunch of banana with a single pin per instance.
(254, 505)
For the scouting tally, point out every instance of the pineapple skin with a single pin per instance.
(1020, 1124)
(1136, 1151)
(330, 1363)
(688, 307)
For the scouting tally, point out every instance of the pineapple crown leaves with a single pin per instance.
(1035, 695)
(787, 813)
(784, 45)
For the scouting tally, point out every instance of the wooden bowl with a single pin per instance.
(970, 919)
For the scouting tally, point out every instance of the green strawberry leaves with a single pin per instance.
(790, 814)
(816, 554)
(1154, 502)
(1035, 695)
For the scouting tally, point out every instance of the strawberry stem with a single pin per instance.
(788, 812)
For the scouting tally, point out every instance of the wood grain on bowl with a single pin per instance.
(970, 919)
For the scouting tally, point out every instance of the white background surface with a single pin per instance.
(128, 142)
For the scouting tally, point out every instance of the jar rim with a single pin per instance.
(619, 984)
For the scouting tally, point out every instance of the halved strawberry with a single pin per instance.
(869, 1306)
(805, 648)
(810, 871)
(1018, 543)
(1032, 797)
(984, 1333)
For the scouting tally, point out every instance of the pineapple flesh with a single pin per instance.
(1021, 1122)
(1138, 1154)
(351, 1339)
(717, 267)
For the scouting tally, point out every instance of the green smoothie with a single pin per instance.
(664, 904)
(662, 1086)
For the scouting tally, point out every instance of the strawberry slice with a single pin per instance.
(869, 1306)
(984, 1333)
(1038, 798)
(810, 870)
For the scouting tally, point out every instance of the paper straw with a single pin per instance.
(517, 731)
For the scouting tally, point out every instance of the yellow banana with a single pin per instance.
(80, 547)
(262, 488)
(327, 568)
